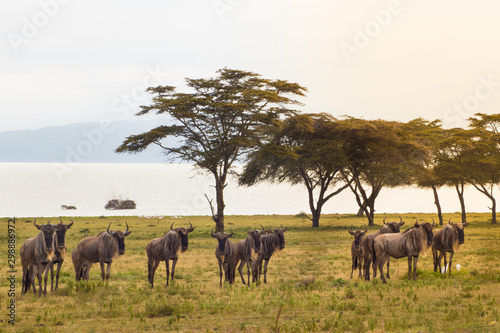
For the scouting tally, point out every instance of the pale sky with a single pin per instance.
(67, 61)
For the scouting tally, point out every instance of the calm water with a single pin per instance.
(39, 189)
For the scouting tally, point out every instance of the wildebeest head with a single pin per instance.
(427, 227)
(459, 228)
(61, 234)
(358, 235)
(394, 226)
(183, 233)
(279, 233)
(255, 234)
(221, 239)
(120, 238)
(48, 234)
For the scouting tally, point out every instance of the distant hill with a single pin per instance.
(78, 143)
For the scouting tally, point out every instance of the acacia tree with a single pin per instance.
(428, 134)
(380, 155)
(217, 122)
(304, 149)
(453, 161)
(485, 160)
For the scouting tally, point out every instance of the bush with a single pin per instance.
(120, 204)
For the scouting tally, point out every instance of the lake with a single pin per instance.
(39, 190)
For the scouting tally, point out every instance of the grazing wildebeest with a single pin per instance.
(59, 252)
(270, 244)
(37, 252)
(357, 250)
(167, 248)
(247, 253)
(102, 248)
(224, 252)
(367, 245)
(447, 239)
(410, 243)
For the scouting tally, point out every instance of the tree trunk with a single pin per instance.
(493, 211)
(460, 192)
(438, 205)
(482, 188)
(361, 211)
(219, 221)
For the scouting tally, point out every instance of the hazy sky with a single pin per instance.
(66, 61)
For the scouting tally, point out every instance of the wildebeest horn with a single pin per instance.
(36, 225)
(69, 225)
(283, 229)
(108, 228)
(465, 224)
(231, 232)
(191, 228)
(384, 220)
(126, 233)
(172, 226)
(350, 231)
(61, 221)
(400, 218)
(449, 221)
(212, 233)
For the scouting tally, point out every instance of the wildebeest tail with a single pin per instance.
(374, 255)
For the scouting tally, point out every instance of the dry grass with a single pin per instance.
(308, 284)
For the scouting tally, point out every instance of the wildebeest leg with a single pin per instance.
(26, 280)
(409, 267)
(154, 266)
(108, 270)
(174, 261)
(360, 265)
(103, 275)
(380, 262)
(249, 269)
(168, 270)
(59, 264)
(354, 264)
(86, 272)
(367, 267)
(451, 258)
(388, 264)
(240, 270)
(435, 259)
(50, 268)
(415, 259)
(46, 278)
(445, 262)
(265, 270)
(220, 271)
(39, 278)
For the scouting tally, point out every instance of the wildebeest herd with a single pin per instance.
(40, 253)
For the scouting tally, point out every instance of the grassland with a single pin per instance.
(308, 288)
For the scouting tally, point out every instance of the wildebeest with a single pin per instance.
(270, 244)
(367, 245)
(167, 248)
(102, 248)
(59, 252)
(37, 252)
(247, 253)
(357, 250)
(224, 252)
(447, 239)
(410, 243)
